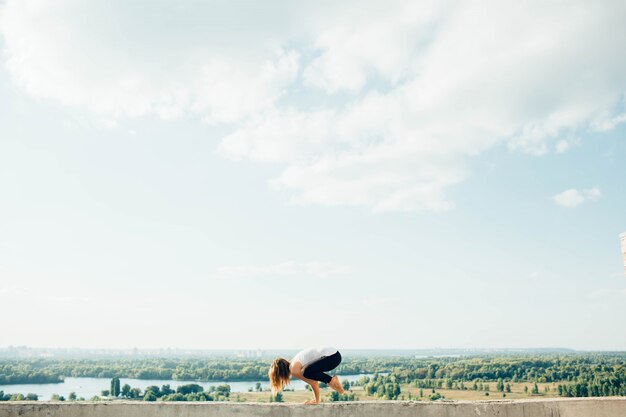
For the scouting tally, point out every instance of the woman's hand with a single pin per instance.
(311, 402)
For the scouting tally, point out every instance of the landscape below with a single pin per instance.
(458, 377)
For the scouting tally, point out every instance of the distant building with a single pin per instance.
(622, 238)
(249, 353)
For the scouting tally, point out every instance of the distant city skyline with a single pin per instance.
(42, 352)
(210, 175)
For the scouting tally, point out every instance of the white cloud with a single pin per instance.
(313, 268)
(606, 123)
(383, 43)
(564, 145)
(380, 108)
(109, 59)
(573, 197)
(492, 73)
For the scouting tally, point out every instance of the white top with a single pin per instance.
(310, 355)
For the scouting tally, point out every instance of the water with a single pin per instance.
(88, 387)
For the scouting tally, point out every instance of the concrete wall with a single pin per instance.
(575, 407)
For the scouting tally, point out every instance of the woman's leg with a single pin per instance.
(316, 370)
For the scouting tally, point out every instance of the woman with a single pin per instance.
(310, 366)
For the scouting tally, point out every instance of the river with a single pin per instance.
(88, 387)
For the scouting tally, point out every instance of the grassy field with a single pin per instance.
(517, 392)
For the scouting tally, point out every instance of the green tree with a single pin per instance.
(115, 387)
(535, 389)
(436, 396)
(32, 397)
(125, 390)
(224, 390)
(149, 396)
(155, 390)
(174, 397)
(500, 385)
(190, 388)
(72, 396)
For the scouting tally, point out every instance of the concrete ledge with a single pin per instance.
(567, 407)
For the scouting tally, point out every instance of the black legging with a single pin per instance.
(315, 370)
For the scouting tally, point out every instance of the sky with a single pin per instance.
(238, 174)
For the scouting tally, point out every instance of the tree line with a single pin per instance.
(188, 392)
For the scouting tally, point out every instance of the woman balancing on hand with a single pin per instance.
(310, 366)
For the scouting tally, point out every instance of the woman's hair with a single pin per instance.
(279, 374)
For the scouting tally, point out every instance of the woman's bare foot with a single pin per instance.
(336, 385)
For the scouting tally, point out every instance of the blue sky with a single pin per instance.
(221, 175)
